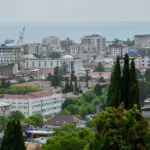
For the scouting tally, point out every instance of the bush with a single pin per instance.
(19, 90)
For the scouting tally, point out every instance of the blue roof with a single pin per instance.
(131, 51)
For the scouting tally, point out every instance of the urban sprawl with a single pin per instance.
(38, 78)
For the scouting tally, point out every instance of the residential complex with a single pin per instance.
(44, 103)
(94, 42)
(10, 54)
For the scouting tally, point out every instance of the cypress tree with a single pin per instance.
(56, 79)
(71, 86)
(66, 88)
(13, 138)
(126, 82)
(76, 85)
(98, 90)
(134, 87)
(114, 93)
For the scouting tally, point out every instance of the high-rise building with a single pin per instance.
(94, 42)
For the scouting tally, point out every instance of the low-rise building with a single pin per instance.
(44, 103)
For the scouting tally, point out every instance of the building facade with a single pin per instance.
(44, 103)
(71, 63)
(142, 41)
(51, 41)
(65, 44)
(117, 49)
(94, 42)
(10, 54)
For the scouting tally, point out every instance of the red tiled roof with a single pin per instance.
(26, 96)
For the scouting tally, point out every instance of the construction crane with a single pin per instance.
(21, 37)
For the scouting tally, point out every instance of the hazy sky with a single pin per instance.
(74, 10)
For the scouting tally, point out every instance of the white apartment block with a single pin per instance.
(10, 54)
(44, 103)
(142, 62)
(117, 49)
(52, 42)
(72, 64)
(142, 41)
(94, 42)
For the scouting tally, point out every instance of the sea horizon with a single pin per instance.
(35, 31)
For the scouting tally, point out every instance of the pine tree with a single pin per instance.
(67, 87)
(98, 90)
(125, 82)
(56, 79)
(71, 86)
(134, 87)
(13, 138)
(114, 93)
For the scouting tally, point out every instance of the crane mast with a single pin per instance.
(21, 37)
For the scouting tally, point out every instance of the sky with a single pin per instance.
(74, 10)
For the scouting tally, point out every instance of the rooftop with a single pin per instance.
(27, 96)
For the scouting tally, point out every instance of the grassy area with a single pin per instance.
(19, 90)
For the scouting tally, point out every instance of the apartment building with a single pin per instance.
(44, 103)
(10, 54)
(94, 42)
(117, 49)
(142, 41)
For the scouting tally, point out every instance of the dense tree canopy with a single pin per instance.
(17, 115)
(99, 67)
(13, 138)
(120, 129)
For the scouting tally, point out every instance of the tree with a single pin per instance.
(17, 115)
(13, 138)
(98, 90)
(67, 87)
(125, 82)
(99, 67)
(134, 87)
(147, 75)
(101, 79)
(35, 120)
(114, 94)
(72, 77)
(3, 123)
(71, 86)
(120, 129)
(56, 79)
(69, 138)
(3, 83)
(87, 78)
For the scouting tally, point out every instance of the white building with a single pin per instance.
(94, 42)
(72, 64)
(142, 62)
(43, 102)
(10, 54)
(142, 41)
(117, 49)
(5, 108)
(51, 41)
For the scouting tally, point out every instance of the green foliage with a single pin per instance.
(98, 89)
(101, 79)
(35, 120)
(114, 94)
(56, 78)
(19, 90)
(59, 91)
(88, 103)
(147, 75)
(120, 129)
(99, 67)
(3, 122)
(13, 138)
(69, 138)
(134, 87)
(17, 115)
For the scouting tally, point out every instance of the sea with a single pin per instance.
(35, 31)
